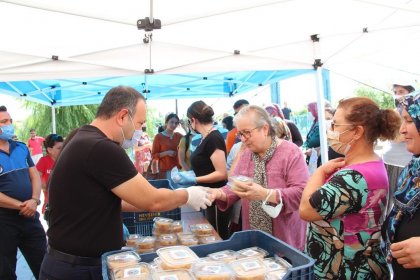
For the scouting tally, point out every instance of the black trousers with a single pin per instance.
(219, 220)
(55, 269)
(28, 235)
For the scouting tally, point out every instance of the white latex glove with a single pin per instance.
(197, 198)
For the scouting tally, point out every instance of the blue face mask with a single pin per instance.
(7, 132)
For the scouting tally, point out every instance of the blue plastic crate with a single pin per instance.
(303, 266)
(141, 222)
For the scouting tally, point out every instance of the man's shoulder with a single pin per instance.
(19, 144)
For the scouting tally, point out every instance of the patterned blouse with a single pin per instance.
(345, 244)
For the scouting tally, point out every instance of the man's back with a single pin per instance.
(85, 218)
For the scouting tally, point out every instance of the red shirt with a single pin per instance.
(45, 166)
(163, 143)
(35, 145)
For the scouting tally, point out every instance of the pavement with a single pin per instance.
(23, 272)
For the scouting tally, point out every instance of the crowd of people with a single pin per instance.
(250, 172)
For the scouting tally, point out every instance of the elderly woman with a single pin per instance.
(345, 198)
(279, 175)
(402, 225)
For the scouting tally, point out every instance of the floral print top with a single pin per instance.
(346, 242)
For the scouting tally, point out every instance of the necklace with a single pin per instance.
(207, 133)
(171, 136)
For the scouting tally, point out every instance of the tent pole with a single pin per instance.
(321, 115)
(54, 130)
(275, 93)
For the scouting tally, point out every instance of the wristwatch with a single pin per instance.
(37, 200)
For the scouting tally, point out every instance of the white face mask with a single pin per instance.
(333, 138)
(272, 211)
(134, 140)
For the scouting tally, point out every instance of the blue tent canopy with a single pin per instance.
(66, 92)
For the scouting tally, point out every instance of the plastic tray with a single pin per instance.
(303, 265)
(142, 222)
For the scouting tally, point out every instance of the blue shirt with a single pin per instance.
(14, 171)
(195, 141)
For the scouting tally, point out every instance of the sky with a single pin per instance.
(297, 92)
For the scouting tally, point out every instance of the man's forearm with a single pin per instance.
(9, 202)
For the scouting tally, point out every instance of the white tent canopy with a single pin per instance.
(57, 39)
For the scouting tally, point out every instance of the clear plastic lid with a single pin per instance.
(162, 225)
(122, 259)
(177, 227)
(139, 271)
(132, 239)
(224, 256)
(252, 252)
(202, 229)
(276, 267)
(177, 256)
(172, 275)
(277, 263)
(146, 242)
(249, 268)
(167, 239)
(240, 178)
(211, 270)
(188, 240)
(207, 239)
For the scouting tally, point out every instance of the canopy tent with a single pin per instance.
(49, 46)
(66, 52)
(64, 92)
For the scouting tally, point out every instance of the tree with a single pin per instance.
(67, 118)
(383, 99)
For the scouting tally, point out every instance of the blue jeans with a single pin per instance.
(28, 235)
(53, 269)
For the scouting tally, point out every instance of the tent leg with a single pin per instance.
(54, 130)
(275, 93)
(321, 115)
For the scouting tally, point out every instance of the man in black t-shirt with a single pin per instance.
(93, 180)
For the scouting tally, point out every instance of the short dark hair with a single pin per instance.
(118, 98)
(3, 108)
(32, 130)
(240, 103)
(51, 139)
(228, 121)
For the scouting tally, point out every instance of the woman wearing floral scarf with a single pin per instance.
(401, 229)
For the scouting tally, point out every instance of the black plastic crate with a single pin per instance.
(303, 266)
(142, 222)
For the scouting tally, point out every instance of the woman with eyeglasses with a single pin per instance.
(345, 198)
(401, 230)
(165, 147)
(278, 173)
(53, 144)
(208, 161)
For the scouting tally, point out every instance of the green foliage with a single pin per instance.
(383, 99)
(67, 119)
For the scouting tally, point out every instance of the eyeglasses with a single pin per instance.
(337, 124)
(245, 133)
